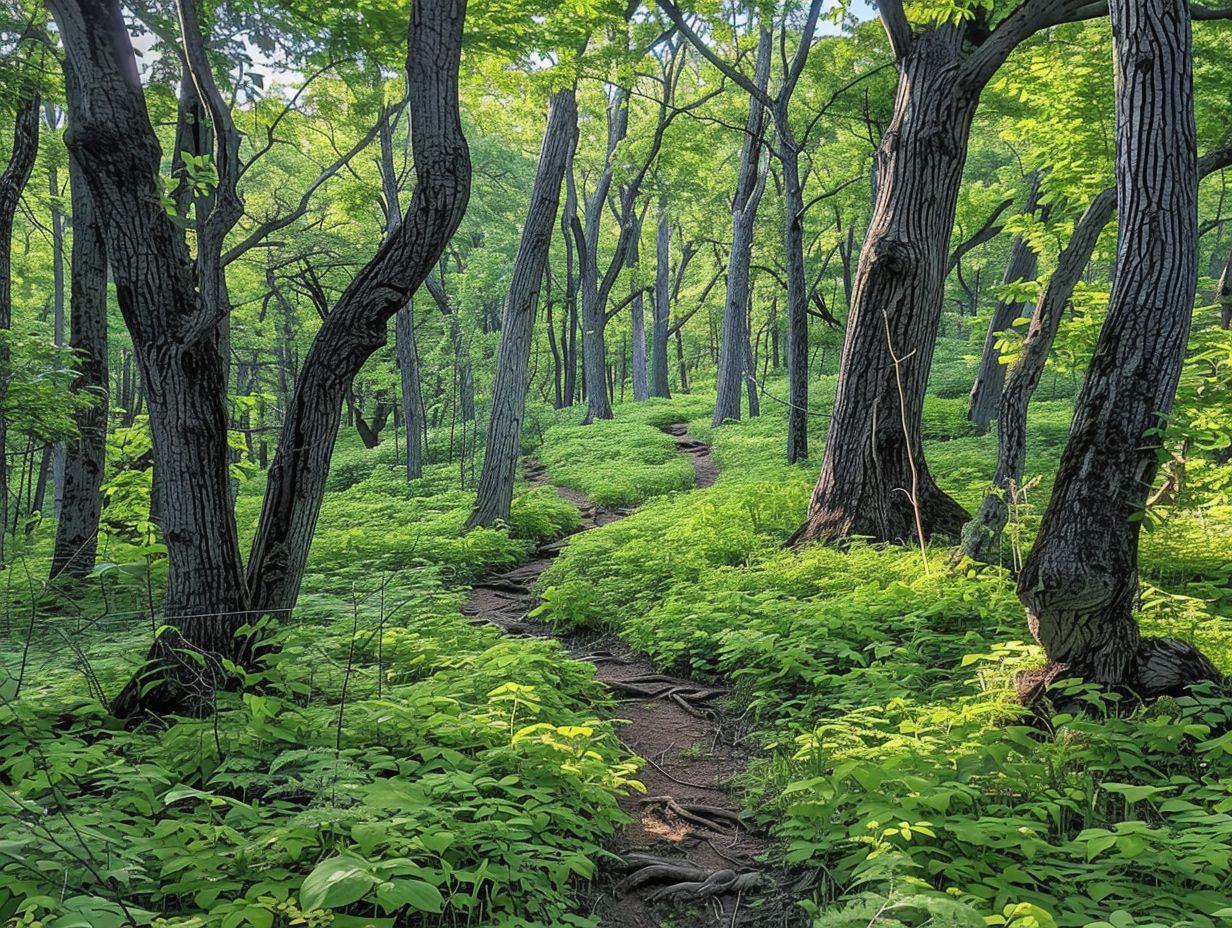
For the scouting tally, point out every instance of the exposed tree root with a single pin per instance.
(713, 818)
(688, 881)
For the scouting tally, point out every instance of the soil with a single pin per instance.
(689, 858)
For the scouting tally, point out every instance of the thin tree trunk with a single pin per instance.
(1223, 293)
(990, 378)
(659, 385)
(495, 493)
(1080, 582)
(750, 184)
(637, 315)
(76, 541)
(12, 183)
(57, 266)
(412, 395)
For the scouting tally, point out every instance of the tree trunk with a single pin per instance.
(57, 267)
(797, 296)
(637, 315)
(750, 184)
(12, 183)
(594, 351)
(659, 385)
(1080, 583)
(981, 537)
(512, 382)
(412, 394)
(990, 378)
(357, 326)
(76, 541)
(1223, 293)
(874, 464)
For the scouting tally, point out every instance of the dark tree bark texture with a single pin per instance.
(1080, 582)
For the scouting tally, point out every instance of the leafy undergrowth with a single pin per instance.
(903, 779)
(391, 763)
(626, 460)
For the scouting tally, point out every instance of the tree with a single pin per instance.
(175, 331)
(12, 183)
(874, 480)
(750, 184)
(787, 148)
(1022, 266)
(513, 359)
(84, 459)
(1080, 582)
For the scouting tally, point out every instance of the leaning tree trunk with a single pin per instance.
(659, 385)
(76, 542)
(12, 183)
(517, 328)
(358, 324)
(873, 476)
(750, 184)
(1080, 582)
(981, 537)
(990, 377)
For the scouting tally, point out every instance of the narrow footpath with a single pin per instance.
(687, 854)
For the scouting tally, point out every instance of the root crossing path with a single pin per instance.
(687, 857)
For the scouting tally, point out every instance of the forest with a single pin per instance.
(615, 464)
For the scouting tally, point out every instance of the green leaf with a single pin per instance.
(334, 883)
(420, 896)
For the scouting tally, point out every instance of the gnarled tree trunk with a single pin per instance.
(1080, 583)
(84, 459)
(517, 329)
(873, 472)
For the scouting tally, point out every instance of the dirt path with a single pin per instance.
(688, 855)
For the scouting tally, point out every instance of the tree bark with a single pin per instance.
(512, 382)
(412, 393)
(874, 479)
(12, 183)
(659, 385)
(990, 378)
(76, 541)
(1223, 293)
(981, 537)
(637, 316)
(1080, 582)
(750, 184)
(870, 465)
(357, 326)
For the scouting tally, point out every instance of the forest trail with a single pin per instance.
(687, 843)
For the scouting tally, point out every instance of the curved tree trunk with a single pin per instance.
(358, 324)
(76, 541)
(1080, 583)
(990, 378)
(981, 537)
(12, 183)
(517, 329)
(870, 465)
